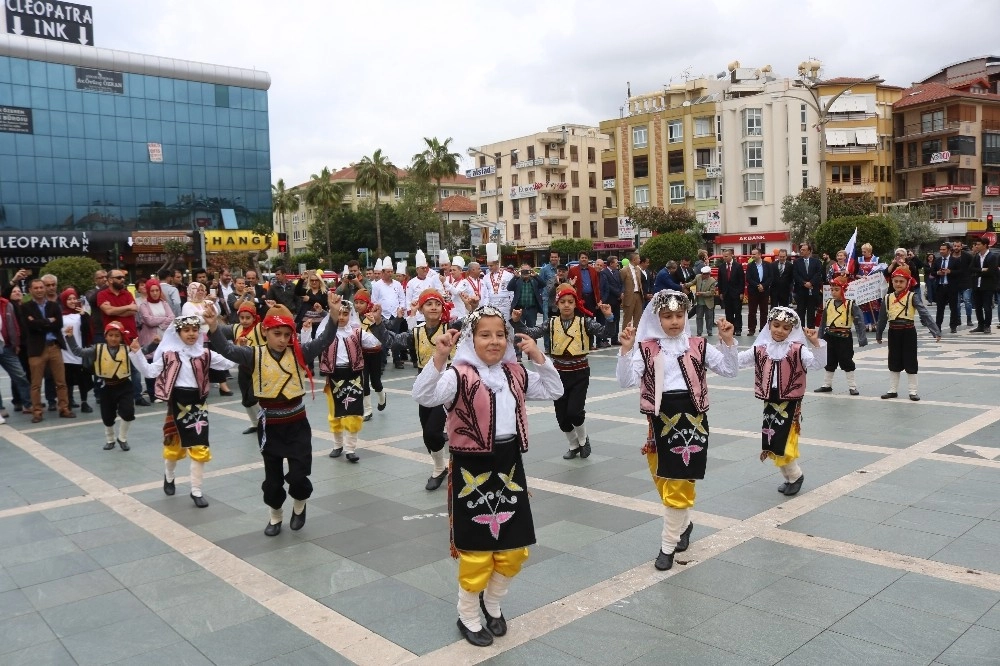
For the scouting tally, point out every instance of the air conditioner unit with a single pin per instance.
(689, 193)
(553, 146)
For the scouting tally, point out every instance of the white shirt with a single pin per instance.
(720, 359)
(72, 321)
(368, 341)
(389, 296)
(635, 280)
(225, 290)
(812, 357)
(496, 283)
(414, 288)
(433, 388)
(185, 378)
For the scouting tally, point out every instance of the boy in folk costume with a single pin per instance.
(780, 356)
(371, 377)
(181, 365)
(278, 373)
(484, 392)
(670, 366)
(246, 332)
(899, 309)
(110, 363)
(570, 333)
(343, 364)
(840, 315)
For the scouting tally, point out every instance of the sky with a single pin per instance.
(348, 78)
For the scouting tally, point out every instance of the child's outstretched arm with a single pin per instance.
(629, 367)
(145, 368)
(813, 354)
(87, 354)
(434, 385)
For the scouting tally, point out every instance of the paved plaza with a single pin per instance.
(890, 555)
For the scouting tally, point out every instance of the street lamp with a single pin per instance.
(809, 79)
(494, 235)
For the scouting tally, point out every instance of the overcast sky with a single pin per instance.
(351, 77)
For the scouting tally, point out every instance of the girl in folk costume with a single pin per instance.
(900, 308)
(343, 364)
(371, 377)
(421, 342)
(181, 365)
(780, 356)
(278, 373)
(77, 327)
(246, 332)
(570, 334)
(196, 306)
(670, 366)
(484, 392)
(840, 315)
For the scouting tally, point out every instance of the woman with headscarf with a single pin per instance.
(195, 307)
(77, 321)
(484, 391)
(155, 317)
(670, 367)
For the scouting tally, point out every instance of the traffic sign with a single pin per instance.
(433, 242)
(58, 21)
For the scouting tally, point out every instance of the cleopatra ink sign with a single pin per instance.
(58, 21)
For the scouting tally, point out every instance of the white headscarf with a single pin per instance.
(342, 331)
(172, 342)
(651, 329)
(465, 352)
(778, 350)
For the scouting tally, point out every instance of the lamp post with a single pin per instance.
(809, 79)
(495, 232)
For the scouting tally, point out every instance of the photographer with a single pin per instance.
(527, 288)
(352, 282)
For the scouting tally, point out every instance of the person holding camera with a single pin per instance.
(527, 288)
(353, 281)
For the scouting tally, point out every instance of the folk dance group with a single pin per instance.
(471, 391)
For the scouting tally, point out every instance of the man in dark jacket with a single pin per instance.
(44, 340)
(527, 288)
(731, 284)
(983, 277)
(611, 289)
(949, 273)
(781, 283)
(760, 276)
(807, 278)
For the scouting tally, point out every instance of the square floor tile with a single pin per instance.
(223, 608)
(747, 631)
(934, 522)
(833, 648)
(723, 580)
(23, 631)
(70, 589)
(251, 642)
(941, 597)
(767, 555)
(604, 638)
(669, 607)
(92, 613)
(846, 574)
(326, 579)
(385, 596)
(903, 629)
(422, 629)
(139, 634)
(532, 654)
(569, 536)
(806, 602)
(976, 646)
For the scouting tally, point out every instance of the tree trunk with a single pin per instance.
(441, 230)
(378, 228)
(329, 253)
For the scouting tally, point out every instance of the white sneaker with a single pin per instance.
(2, 420)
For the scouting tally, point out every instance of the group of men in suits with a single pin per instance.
(976, 274)
(768, 284)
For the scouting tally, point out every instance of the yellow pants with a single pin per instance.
(475, 566)
(791, 449)
(339, 423)
(176, 452)
(674, 493)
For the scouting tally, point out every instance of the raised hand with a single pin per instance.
(210, 316)
(605, 308)
(333, 299)
(515, 316)
(725, 330)
(135, 346)
(68, 331)
(812, 335)
(529, 347)
(627, 338)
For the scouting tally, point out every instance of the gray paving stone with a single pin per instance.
(70, 589)
(991, 619)
(105, 536)
(39, 550)
(175, 654)
(881, 491)
(861, 508)
(569, 536)
(422, 629)
(316, 654)
(903, 629)
(977, 646)
(52, 568)
(806, 602)
(360, 540)
(961, 602)
(756, 634)
(251, 642)
(899, 540)
(50, 653)
(153, 568)
(567, 573)
(187, 589)
(684, 650)
(934, 522)
(962, 505)
(326, 579)
(767, 555)
(845, 574)
(23, 631)
(137, 635)
(605, 638)
(25, 529)
(669, 607)
(833, 648)
(531, 654)
(291, 557)
(439, 578)
(724, 580)
(967, 552)
(14, 603)
(92, 521)
(6, 582)
(223, 608)
(817, 523)
(401, 556)
(385, 596)
(144, 547)
(89, 614)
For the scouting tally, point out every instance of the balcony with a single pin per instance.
(609, 184)
(609, 155)
(915, 130)
(553, 214)
(609, 212)
(991, 157)
(855, 186)
(838, 150)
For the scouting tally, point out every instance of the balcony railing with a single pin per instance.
(850, 149)
(919, 129)
(553, 214)
(854, 185)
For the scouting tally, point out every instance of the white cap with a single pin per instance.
(401, 267)
(378, 265)
(492, 253)
(458, 261)
(421, 259)
(443, 257)
(706, 269)
(345, 271)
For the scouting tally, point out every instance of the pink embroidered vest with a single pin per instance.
(472, 417)
(791, 373)
(693, 369)
(172, 369)
(328, 361)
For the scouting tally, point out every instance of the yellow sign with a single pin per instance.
(236, 240)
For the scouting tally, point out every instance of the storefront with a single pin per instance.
(768, 242)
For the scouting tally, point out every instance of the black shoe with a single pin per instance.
(824, 389)
(988, 331)
(854, 391)
(169, 487)
(572, 453)
(368, 417)
(252, 430)
(892, 394)
(53, 407)
(352, 457)
(402, 366)
(225, 394)
(914, 397)
(86, 409)
(480, 638)
(383, 401)
(74, 405)
(298, 520)
(977, 329)
(435, 482)
(109, 446)
(124, 446)
(335, 453)
(794, 486)
(585, 449)
(685, 540)
(783, 487)
(496, 625)
(141, 401)
(664, 561)
(272, 529)
(954, 330)
(199, 501)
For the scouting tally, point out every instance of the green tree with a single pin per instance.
(378, 174)
(436, 163)
(283, 201)
(76, 272)
(327, 197)
(571, 247)
(915, 227)
(801, 212)
(662, 221)
(176, 251)
(669, 247)
(310, 259)
(880, 231)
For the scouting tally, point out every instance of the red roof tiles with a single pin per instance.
(456, 204)
(931, 92)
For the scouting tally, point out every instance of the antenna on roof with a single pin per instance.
(628, 85)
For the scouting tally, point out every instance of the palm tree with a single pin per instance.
(436, 163)
(326, 196)
(378, 174)
(283, 201)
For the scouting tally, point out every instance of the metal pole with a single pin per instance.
(203, 260)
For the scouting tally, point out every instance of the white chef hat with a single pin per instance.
(400, 267)
(443, 257)
(459, 261)
(421, 259)
(492, 253)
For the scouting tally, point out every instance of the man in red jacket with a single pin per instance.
(588, 284)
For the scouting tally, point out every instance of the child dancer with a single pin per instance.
(670, 367)
(839, 315)
(110, 363)
(77, 326)
(900, 308)
(278, 377)
(246, 332)
(343, 363)
(780, 357)
(570, 334)
(485, 392)
(181, 365)
(371, 376)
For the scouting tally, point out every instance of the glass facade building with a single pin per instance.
(102, 140)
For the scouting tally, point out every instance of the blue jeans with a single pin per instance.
(19, 386)
(967, 297)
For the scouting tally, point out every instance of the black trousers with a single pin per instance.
(292, 442)
(903, 350)
(946, 295)
(432, 424)
(733, 305)
(616, 310)
(371, 376)
(77, 376)
(805, 307)
(245, 381)
(982, 300)
(839, 352)
(782, 298)
(570, 410)
(117, 400)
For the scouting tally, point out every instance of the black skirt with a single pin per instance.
(681, 436)
(779, 418)
(348, 394)
(187, 407)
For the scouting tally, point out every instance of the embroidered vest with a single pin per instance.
(901, 309)
(172, 369)
(693, 369)
(328, 361)
(571, 342)
(110, 367)
(791, 373)
(255, 337)
(839, 317)
(272, 379)
(424, 343)
(472, 417)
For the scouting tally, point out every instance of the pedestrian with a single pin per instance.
(840, 315)
(704, 288)
(76, 327)
(732, 282)
(984, 276)
(899, 308)
(807, 278)
(44, 341)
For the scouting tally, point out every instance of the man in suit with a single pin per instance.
(781, 282)
(259, 296)
(684, 273)
(760, 277)
(44, 341)
(611, 289)
(948, 272)
(731, 284)
(983, 277)
(959, 252)
(665, 278)
(807, 279)
(633, 294)
(647, 280)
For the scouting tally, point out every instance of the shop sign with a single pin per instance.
(523, 192)
(100, 80)
(234, 240)
(60, 244)
(58, 21)
(16, 120)
(481, 171)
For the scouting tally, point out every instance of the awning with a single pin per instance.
(229, 219)
(866, 136)
(838, 137)
(751, 237)
(850, 104)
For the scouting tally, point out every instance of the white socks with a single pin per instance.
(495, 591)
(276, 515)
(851, 383)
(350, 441)
(574, 443)
(791, 471)
(368, 404)
(338, 439)
(912, 382)
(893, 382)
(581, 434)
(381, 397)
(109, 434)
(468, 610)
(674, 523)
(197, 475)
(828, 379)
(123, 427)
(440, 462)
(252, 413)
(298, 506)
(168, 469)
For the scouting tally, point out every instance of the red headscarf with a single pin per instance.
(118, 326)
(150, 283)
(247, 306)
(64, 298)
(904, 272)
(435, 295)
(840, 281)
(570, 290)
(279, 316)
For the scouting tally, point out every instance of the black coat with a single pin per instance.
(731, 285)
(38, 326)
(958, 272)
(814, 276)
(753, 279)
(985, 281)
(781, 283)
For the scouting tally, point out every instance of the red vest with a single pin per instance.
(472, 417)
(791, 373)
(172, 368)
(328, 361)
(693, 369)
